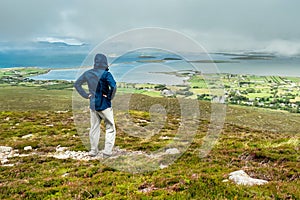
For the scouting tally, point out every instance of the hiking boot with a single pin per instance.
(93, 153)
(105, 155)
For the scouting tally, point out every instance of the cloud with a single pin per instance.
(283, 47)
(68, 41)
(230, 24)
(20, 20)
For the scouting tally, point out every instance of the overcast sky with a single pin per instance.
(216, 24)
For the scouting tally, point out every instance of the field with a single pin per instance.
(273, 92)
(265, 143)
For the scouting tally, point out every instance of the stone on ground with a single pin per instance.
(242, 178)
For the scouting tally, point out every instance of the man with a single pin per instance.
(102, 88)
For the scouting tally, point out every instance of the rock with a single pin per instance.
(28, 148)
(164, 138)
(145, 188)
(13, 154)
(23, 155)
(4, 149)
(149, 189)
(4, 161)
(143, 121)
(27, 136)
(242, 178)
(61, 156)
(60, 149)
(61, 111)
(195, 176)
(172, 151)
(8, 165)
(161, 166)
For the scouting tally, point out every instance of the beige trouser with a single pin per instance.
(96, 118)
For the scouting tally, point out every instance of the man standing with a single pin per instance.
(102, 88)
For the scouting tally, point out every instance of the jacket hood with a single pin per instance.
(100, 61)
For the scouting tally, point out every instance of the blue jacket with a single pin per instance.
(101, 85)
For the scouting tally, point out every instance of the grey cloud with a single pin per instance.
(217, 24)
(21, 20)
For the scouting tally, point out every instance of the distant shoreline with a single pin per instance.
(71, 74)
(90, 67)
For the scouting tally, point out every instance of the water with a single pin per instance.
(130, 73)
(278, 66)
(40, 59)
(133, 67)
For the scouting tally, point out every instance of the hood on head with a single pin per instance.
(100, 61)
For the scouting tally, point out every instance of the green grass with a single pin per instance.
(34, 98)
(136, 91)
(188, 178)
(197, 82)
(293, 79)
(258, 95)
(264, 143)
(152, 93)
(26, 72)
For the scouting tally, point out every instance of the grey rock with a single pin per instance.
(4, 161)
(172, 151)
(28, 148)
(5, 149)
(8, 165)
(242, 178)
(27, 136)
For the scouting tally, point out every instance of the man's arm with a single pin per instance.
(113, 86)
(78, 86)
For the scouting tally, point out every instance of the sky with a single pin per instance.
(218, 25)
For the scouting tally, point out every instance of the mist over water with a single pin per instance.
(65, 64)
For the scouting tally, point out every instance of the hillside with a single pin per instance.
(262, 142)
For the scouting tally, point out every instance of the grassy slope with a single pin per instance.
(262, 142)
